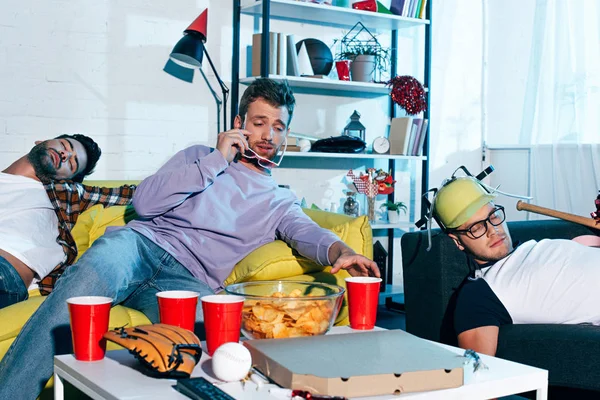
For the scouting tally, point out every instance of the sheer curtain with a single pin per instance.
(561, 114)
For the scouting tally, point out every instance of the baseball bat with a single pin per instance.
(578, 219)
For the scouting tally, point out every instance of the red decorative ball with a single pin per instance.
(409, 94)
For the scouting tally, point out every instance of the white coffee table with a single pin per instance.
(119, 376)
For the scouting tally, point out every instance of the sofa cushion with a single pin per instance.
(274, 260)
(92, 224)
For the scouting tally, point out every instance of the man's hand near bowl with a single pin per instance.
(343, 257)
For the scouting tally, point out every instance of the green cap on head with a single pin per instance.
(459, 200)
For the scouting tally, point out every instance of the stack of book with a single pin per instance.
(407, 136)
(409, 8)
(283, 57)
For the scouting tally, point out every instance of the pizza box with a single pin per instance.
(359, 364)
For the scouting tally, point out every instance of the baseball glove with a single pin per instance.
(167, 351)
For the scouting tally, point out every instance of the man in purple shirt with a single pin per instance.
(200, 214)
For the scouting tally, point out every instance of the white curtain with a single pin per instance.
(561, 115)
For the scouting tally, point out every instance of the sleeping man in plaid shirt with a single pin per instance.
(41, 197)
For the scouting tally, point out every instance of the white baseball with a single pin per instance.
(231, 362)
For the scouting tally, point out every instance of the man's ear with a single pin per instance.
(37, 142)
(237, 122)
(456, 241)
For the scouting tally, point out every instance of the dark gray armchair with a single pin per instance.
(571, 353)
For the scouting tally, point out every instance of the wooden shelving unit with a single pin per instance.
(332, 16)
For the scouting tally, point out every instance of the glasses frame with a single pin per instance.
(485, 222)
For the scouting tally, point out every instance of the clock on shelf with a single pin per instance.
(381, 145)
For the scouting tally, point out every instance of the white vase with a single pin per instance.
(363, 68)
(393, 217)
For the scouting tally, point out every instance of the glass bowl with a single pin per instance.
(283, 309)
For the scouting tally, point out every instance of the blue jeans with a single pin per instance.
(123, 265)
(12, 287)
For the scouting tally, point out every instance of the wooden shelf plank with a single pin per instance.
(321, 14)
(336, 87)
(300, 154)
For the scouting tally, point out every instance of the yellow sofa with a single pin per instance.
(273, 261)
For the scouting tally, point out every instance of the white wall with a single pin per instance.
(95, 67)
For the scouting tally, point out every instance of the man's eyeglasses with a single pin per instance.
(478, 229)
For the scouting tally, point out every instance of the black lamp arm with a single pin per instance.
(224, 89)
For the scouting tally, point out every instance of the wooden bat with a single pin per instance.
(578, 219)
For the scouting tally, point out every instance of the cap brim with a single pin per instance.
(471, 209)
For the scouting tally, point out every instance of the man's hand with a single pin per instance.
(343, 257)
(232, 142)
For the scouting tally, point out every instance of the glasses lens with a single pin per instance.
(478, 229)
(497, 217)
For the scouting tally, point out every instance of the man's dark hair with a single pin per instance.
(277, 94)
(92, 150)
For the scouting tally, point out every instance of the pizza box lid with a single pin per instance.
(358, 364)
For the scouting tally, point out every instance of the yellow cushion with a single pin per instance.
(277, 260)
(92, 224)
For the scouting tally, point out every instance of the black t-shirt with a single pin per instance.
(472, 305)
(477, 305)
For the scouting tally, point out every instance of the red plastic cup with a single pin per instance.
(343, 69)
(222, 319)
(363, 298)
(89, 323)
(178, 308)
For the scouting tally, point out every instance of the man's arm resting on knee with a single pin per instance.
(483, 339)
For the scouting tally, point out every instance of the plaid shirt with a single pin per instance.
(69, 200)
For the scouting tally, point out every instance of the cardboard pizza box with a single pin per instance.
(358, 364)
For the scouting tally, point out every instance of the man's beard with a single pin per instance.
(271, 155)
(41, 161)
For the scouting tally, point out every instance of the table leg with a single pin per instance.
(59, 388)
(540, 394)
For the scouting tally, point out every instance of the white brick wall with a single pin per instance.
(95, 67)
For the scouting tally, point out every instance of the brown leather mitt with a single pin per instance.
(167, 351)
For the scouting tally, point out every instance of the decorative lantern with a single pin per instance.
(354, 127)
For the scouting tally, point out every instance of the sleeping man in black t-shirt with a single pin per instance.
(550, 281)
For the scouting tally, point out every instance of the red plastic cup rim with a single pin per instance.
(222, 299)
(363, 279)
(177, 294)
(89, 300)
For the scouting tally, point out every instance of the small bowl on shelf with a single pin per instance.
(284, 309)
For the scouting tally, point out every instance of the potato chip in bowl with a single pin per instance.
(284, 309)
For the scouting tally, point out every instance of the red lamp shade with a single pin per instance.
(189, 51)
(199, 24)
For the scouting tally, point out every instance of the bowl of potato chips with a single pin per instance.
(284, 309)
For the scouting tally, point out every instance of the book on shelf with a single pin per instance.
(256, 51)
(399, 137)
(422, 136)
(422, 11)
(292, 56)
(281, 54)
(414, 131)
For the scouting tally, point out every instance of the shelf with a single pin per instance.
(344, 88)
(301, 154)
(321, 14)
(400, 225)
